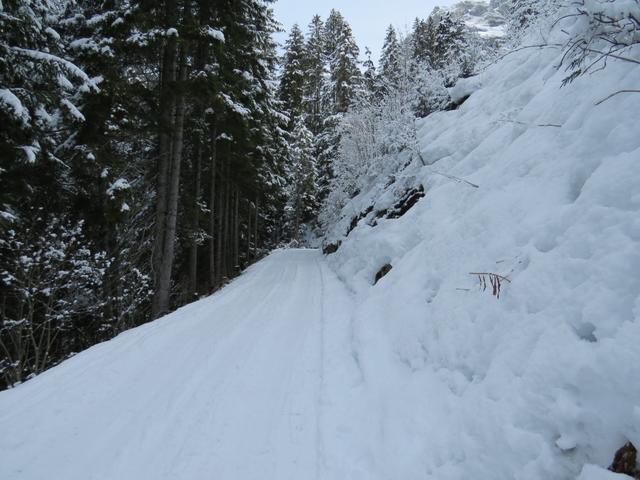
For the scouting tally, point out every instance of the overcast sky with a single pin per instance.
(368, 18)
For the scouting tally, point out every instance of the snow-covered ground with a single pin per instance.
(230, 387)
(545, 379)
(303, 368)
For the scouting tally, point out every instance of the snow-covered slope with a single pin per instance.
(543, 380)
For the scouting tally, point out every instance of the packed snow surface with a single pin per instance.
(232, 387)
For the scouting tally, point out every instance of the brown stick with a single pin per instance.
(491, 274)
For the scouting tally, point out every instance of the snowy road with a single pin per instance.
(231, 387)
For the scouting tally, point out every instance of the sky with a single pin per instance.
(368, 18)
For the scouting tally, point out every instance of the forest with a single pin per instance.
(151, 151)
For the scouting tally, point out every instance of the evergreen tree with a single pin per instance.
(302, 189)
(450, 42)
(369, 75)
(331, 34)
(423, 39)
(315, 73)
(40, 92)
(390, 59)
(343, 64)
(343, 82)
(178, 147)
(292, 80)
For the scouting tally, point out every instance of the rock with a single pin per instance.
(386, 268)
(331, 248)
(409, 199)
(357, 218)
(624, 460)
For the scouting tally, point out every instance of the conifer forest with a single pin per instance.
(150, 151)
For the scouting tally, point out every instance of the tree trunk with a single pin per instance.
(212, 202)
(296, 223)
(200, 59)
(167, 106)
(218, 268)
(163, 286)
(195, 225)
(255, 228)
(236, 232)
(248, 250)
(225, 232)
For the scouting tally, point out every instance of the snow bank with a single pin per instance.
(544, 380)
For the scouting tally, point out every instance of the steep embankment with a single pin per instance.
(544, 379)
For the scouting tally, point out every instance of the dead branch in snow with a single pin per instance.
(495, 281)
(446, 175)
(616, 93)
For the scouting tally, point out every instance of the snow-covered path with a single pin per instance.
(231, 387)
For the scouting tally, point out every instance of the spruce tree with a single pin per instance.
(449, 43)
(292, 80)
(179, 142)
(315, 75)
(390, 59)
(345, 75)
(302, 176)
(369, 76)
(423, 40)
(343, 82)
(40, 91)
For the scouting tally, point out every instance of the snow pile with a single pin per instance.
(456, 383)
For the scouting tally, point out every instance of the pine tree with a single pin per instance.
(315, 75)
(301, 189)
(450, 42)
(344, 80)
(390, 59)
(39, 110)
(343, 65)
(423, 39)
(292, 80)
(369, 76)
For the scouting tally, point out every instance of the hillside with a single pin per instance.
(539, 382)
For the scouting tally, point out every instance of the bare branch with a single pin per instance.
(616, 93)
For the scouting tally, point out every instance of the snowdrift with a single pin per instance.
(544, 381)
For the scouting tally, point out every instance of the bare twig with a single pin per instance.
(495, 281)
(455, 179)
(533, 125)
(493, 274)
(616, 93)
(450, 177)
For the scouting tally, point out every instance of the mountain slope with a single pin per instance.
(542, 380)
